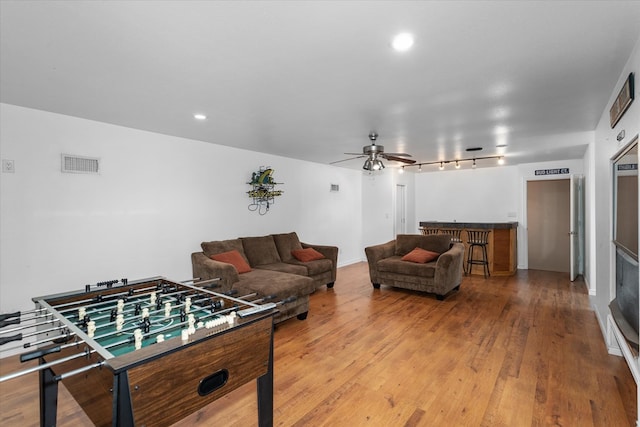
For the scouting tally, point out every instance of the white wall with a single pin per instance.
(468, 195)
(378, 205)
(605, 148)
(156, 198)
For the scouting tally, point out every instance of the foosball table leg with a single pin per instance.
(265, 392)
(48, 397)
(122, 406)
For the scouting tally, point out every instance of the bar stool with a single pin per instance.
(454, 233)
(428, 230)
(478, 239)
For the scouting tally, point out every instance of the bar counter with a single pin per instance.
(502, 246)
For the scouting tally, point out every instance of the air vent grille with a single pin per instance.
(335, 187)
(78, 164)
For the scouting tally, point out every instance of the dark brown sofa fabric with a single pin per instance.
(439, 276)
(274, 270)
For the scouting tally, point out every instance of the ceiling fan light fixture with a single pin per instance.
(378, 165)
(457, 165)
(501, 160)
(401, 170)
(367, 165)
(441, 166)
(474, 164)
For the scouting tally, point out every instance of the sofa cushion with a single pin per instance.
(286, 243)
(260, 250)
(282, 285)
(306, 255)
(234, 258)
(395, 264)
(405, 243)
(286, 267)
(420, 255)
(316, 267)
(219, 246)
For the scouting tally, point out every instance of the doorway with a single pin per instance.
(548, 225)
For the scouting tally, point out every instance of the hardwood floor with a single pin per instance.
(506, 351)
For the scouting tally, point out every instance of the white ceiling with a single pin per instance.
(310, 79)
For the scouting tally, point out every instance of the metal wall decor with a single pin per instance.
(263, 192)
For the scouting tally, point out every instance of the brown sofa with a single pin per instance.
(439, 276)
(274, 270)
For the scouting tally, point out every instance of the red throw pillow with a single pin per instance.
(420, 255)
(306, 255)
(234, 258)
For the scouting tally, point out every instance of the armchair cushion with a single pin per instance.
(307, 254)
(395, 265)
(405, 243)
(234, 258)
(420, 256)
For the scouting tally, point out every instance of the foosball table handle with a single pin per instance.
(4, 323)
(4, 340)
(38, 353)
(6, 316)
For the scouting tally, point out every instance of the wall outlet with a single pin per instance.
(8, 166)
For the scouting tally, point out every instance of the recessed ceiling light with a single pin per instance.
(199, 116)
(402, 42)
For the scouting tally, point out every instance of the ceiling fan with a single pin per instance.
(373, 152)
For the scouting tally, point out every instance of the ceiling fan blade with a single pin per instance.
(350, 158)
(355, 154)
(399, 154)
(398, 159)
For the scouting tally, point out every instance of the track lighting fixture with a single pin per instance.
(456, 162)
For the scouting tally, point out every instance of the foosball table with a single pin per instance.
(148, 352)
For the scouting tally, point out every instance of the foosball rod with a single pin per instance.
(17, 374)
(78, 371)
(157, 310)
(110, 297)
(216, 313)
(137, 293)
(20, 337)
(132, 328)
(4, 323)
(18, 314)
(33, 325)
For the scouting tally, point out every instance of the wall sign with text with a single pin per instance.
(557, 171)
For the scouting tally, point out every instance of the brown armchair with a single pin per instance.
(439, 276)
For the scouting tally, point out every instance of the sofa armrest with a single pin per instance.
(205, 268)
(448, 272)
(329, 252)
(376, 253)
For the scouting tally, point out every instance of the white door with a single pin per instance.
(401, 210)
(576, 233)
